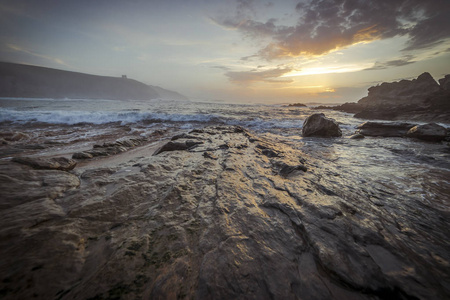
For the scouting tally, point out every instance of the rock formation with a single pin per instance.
(421, 99)
(319, 125)
(233, 216)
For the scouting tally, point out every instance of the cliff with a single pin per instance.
(26, 81)
(421, 99)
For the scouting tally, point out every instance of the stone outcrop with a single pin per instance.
(421, 99)
(428, 132)
(319, 125)
(237, 216)
(445, 83)
(402, 93)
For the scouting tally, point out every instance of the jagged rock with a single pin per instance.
(429, 132)
(391, 129)
(404, 92)
(108, 149)
(82, 155)
(319, 125)
(350, 107)
(56, 163)
(210, 155)
(421, 99)
(357, 136)
(297, 105)
(286, 169)
(445, 83)
(175, 146)
(184, 136)
(18, 136)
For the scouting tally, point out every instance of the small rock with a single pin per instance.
(174, 146)
(319, 125)
(18, 136)
(429, 132)
(357, 136)
(209, 155)
(82, 155)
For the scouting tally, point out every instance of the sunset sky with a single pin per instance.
(244, 51)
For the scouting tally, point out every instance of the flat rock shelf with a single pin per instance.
(217, 213)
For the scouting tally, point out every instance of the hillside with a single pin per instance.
(27, 81)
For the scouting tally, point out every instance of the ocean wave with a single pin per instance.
(90, 117)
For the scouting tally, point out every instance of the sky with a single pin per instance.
(245, 51)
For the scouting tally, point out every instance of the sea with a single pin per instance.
(414, 169)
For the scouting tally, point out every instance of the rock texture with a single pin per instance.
(319, 125)
(56, 163)
(18, 80)
(428, 132)
(108, 149)
(238, 216)
(421, 99)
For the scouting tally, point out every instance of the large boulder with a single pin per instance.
(429, 132)
(386, 129)
(319, 125)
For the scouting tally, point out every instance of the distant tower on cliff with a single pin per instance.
(124, 76)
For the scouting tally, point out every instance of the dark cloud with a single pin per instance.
(272, 76)
(406, 60)
(220, 68)
(326, 25)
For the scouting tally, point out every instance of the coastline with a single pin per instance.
(236, 213)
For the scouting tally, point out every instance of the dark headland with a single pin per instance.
(421, 99)
(25, 81)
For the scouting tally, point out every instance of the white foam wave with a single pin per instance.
(75, 117)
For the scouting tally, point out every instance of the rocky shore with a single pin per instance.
(421, 99)
(214, 213)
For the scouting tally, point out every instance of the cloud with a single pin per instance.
(220, 68)
(271, 76)
(327, 25)
(406, 60)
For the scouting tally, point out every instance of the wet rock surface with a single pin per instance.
(429, 132)
(319, 125)
(108, 149)
(235, 216)
(385, 129)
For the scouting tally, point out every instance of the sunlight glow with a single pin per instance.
(327, 70)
